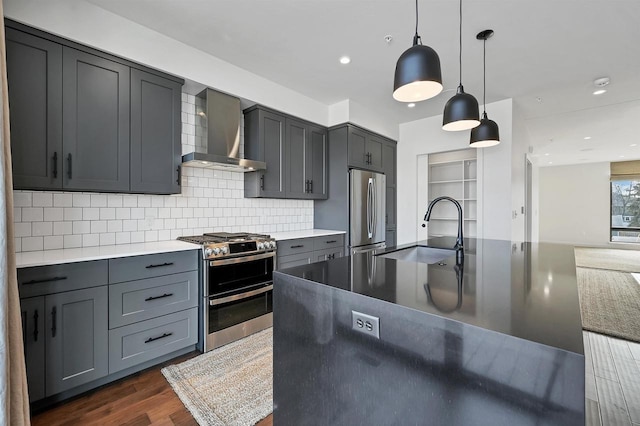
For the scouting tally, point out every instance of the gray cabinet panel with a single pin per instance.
(316, 162)
(33, 335)
(95, 122)
(297, 160)
(328, 254)
(298, 259)
(329, 241)
(390, 237)
(155, 133)
(135, 301)
(34, 72)
(76, 342)
(136, 343)
(152, 265)
(298, 245)
(41, 280)
(357, 147)
(390, 219)
(389, 162)
(272, 126)
(374, 149)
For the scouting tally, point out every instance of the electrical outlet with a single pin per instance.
(366, 324)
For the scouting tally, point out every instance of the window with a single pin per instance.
(625, 201)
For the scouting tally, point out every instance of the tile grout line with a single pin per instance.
(595, 382)
(615, 367)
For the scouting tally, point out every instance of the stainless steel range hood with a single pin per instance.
(218, 134)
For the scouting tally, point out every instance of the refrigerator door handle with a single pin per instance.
(374, 203)
(370, 207)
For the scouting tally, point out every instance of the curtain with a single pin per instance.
(13, 380)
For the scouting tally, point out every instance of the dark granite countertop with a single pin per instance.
(524, 290)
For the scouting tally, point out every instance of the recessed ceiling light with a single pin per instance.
(411, 105)
(599, 92)
(634, 144)
(550, 162)
(546, 154)
(345, 60)
(586, 138)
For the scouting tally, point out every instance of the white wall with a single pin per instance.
(575, 204)
(519, 148)
(494, 167)
(353, 112)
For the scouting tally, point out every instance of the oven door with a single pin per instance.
(240, 274)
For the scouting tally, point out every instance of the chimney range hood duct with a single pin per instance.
(218, 124)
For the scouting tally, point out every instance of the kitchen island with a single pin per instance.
(492, 337)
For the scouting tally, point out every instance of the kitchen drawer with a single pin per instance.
(295, 260)
(328, 254)
(143, 341)
(140, 300)
(328, 241)
(299, 245)
(152, 265)
(41, 280)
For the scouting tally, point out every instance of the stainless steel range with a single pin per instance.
(237, 285)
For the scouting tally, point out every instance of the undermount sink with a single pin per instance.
(420, 254)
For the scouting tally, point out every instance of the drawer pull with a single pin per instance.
(332, 241)
(159, 265)
(298, 246)
(46, 280)
(153, 339)
(158, 297)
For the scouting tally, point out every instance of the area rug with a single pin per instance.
(611, 259)
(609, 302)
(231, 385)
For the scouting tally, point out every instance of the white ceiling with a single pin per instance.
(545, 55)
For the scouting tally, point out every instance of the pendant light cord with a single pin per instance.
(460, 42)
(416, 37)
(484, 78)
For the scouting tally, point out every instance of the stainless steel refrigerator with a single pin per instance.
(366, 211)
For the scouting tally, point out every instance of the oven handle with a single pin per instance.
(241, 259)
(214, 302)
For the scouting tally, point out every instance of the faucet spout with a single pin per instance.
(460, 239)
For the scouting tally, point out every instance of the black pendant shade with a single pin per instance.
(461, 112)
(486, 134)
(418, 76)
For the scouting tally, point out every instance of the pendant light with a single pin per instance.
(418, 76)
(461, 111)
(487, 133)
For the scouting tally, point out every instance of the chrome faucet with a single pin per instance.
(459, 241)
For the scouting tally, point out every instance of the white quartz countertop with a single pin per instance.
(308, 233)
(54, 257)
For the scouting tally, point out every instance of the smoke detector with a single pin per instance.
(600, 84)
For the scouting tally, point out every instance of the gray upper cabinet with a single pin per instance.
(365, 149)
(389, 162)
(34, 72)
(95, 123)
(295, 152)
(155, 134)
(306, 160)
(77, 338)
(84, 120)
(265, 141)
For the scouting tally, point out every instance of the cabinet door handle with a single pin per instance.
(178, 178)
(153, 339)
(69, 164)
(306, 186)
(262, 182)
(55, 164)
(158, 297)
(46, 280)
(298, 246)
(311, 186)
(332, 241)
(159, 265)
(35, 326)
(53, 321)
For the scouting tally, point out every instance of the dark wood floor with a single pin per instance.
(142, 399)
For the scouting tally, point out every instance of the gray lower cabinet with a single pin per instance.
(76, 338)
(390, 237)
(303, 251)
(33, 331)
(156, 152)
(143, 341)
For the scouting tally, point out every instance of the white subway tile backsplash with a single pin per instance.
(211, 200)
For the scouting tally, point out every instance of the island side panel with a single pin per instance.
(424, 369)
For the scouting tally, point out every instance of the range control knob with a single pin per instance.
(208, 252)
(216, 251)
(224, 250)
(272, 244)
(261, 245)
